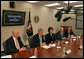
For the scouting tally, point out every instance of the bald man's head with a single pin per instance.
(15, 33)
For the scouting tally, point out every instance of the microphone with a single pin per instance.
(58, 14)
(67, 9)
(67, 18)
(59, 18)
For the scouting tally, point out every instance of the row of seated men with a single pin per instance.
(40, 39)
(14, 43)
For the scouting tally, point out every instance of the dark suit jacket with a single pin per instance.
(49, 38)
(29, 32)
(58, 35)
(10, 45)
(66, 33)
(36, 41)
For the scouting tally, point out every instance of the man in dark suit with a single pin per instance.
(38, 39)
(14, 44)
(69, 32)
(60, 34)
(50, 37)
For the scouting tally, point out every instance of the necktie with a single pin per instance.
(40, 40)
(61, 34)
(68, 32)
(43, 38)
(17, 44)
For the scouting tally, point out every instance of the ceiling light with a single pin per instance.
(32, 1)
(72, 10)
(70, 1)
(60, 8)
(54, 4)
(78, 5)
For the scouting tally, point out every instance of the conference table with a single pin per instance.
(54, 52)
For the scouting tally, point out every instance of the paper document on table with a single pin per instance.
(58, 47)
(46, 47)
(52, 45)
(74, 39)
(81, 46)
(7, 56)
(32, 57)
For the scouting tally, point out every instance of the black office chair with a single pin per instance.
(3, 53)
(30, 41)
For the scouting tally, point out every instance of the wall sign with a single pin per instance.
(12, 18)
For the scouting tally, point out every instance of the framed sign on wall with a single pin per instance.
(12, 18)
(79, 21)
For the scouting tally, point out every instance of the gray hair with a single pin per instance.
(39, 30)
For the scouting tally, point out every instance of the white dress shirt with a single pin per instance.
(40, 39)
(16, 43)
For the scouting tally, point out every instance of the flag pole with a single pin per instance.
(24, 33)
(29, 9)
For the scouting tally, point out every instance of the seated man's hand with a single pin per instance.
(43, 44)
(71, 36)
(52, 42)
(64, 38)
(22, 49)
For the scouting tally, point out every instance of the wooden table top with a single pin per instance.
(54, 52)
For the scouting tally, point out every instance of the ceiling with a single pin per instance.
(62, 4)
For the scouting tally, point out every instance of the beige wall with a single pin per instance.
(45, 14)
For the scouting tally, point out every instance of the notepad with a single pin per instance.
(46, 47)
(68, 51)
(7, 56)
(32, 57)
(66, 42)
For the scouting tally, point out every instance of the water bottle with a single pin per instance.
(63, 55)
(79, 36)
(80, 44)
(71, 40)
(35, 53)
(58, 46)
(58, 43)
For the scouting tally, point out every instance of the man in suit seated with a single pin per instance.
(14, 44)
(50, 37)
(60, 34)
(69, 32)
(38, 39)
